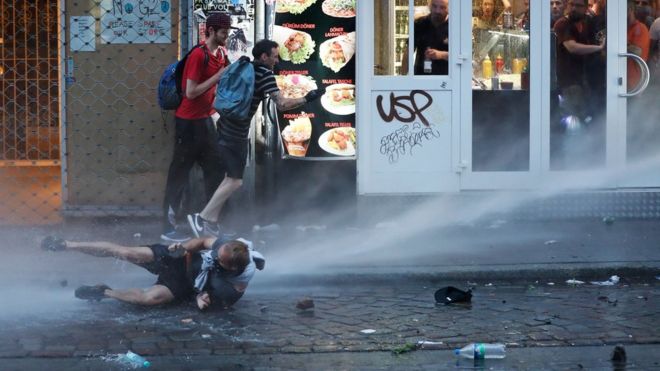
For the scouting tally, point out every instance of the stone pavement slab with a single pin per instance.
(265, 321)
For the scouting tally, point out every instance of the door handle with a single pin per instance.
(646, 75)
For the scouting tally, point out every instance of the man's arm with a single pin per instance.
(194, 245)
(285, 104)
(194, 90)
(577, 48)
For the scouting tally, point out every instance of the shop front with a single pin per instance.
(499, 103)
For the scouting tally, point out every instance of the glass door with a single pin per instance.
(638, 116)
(409, 65)
(600, 129)
(501, 93)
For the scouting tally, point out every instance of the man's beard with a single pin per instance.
(575, 17)
(437, 19)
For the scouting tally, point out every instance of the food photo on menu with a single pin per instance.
(339, 99)
(295, 85)
(295, 46)
(296, 135)
(293, 6)
(339, 8)
(339, 141)
(336, 52)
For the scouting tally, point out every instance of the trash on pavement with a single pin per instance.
(206, 336)
(431, 345)
(488, 284)
(187, 320)
(551, 283)
(450, 294)
(610, 282)
(368, 331)
(129, 360)
(304, 228)
(609, 220)
(305, 303)
(405, 348)
(574, 282)
(619, 354)
(137, 235)
(550, 242)
(482, 351)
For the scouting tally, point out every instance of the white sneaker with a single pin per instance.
(202, 227)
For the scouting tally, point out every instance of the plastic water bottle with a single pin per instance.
(482, 351)
(135, 360)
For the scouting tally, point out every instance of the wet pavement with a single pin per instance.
(544, 322)
(266, 322)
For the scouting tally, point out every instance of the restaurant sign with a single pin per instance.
(317, 50)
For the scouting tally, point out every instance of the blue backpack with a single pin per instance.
(233, 97)
(169, 86)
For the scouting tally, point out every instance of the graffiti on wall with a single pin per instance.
(416, 128)
(136, 21)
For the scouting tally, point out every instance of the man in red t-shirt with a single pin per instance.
(196, 138)
(639, 42)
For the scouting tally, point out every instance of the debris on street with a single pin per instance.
(368, 331)
(405, 348)
(610, 282)
(550, 242)
(574, 282)
(305, 303)
(619, 354)
(137, 236)
(450, 294)
(430, 345)
(187, 320)
(206, 336)
(551, 283)
(609, 220)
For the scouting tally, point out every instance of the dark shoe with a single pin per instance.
(96, 292)
(52, 243)
(174, 236)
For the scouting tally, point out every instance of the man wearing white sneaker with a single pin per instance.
(234, 136)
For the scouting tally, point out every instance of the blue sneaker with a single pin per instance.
(174, 236)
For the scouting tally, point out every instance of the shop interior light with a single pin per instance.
(520, 36)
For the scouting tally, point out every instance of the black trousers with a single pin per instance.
(196, 141)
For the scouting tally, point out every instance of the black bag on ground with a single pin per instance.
(450, 294)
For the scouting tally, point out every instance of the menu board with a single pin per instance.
(317, 49)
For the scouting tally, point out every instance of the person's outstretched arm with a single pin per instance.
(194, 245)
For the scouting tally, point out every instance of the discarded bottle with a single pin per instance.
(482, 351)
(134, 360)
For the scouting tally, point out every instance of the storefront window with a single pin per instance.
(390, 37)
(578, 78)
(392, 52)
(500, 82)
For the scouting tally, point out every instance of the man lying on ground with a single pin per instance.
(204, 268)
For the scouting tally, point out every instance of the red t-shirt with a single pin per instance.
(198, 71)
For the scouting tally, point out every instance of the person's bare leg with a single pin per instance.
(136, 255)
(221, 195)
(155, 295)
